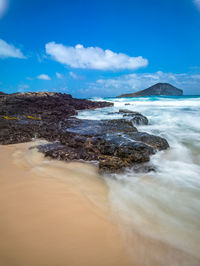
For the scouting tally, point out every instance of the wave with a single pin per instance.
(164, 205)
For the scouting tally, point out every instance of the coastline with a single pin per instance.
(58, 213)
(50, 217)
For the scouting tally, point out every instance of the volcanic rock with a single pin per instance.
(115, 144)
(136, 117)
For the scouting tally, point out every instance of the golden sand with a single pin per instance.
(54, 213)
(58, 214)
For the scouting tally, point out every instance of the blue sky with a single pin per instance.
(99, 47)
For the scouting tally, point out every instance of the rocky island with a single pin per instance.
(114, 144)
(159, 89)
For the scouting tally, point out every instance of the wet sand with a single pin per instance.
(58, 214)
(54, 213)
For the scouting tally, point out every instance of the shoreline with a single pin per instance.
(58, 213)
(49, 217)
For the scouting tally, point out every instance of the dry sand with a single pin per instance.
(54, 213)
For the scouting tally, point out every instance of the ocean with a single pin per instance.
(162, 205)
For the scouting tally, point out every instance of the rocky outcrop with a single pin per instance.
(136, 118)
(45, 105)
(155, 142)
(115, 144)
(157, 90)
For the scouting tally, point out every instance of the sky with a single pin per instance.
(99, 48)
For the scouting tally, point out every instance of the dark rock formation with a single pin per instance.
(136, 118)
(100, 127)
(157, 89)
(49, 109)
(155, 142)
(115, 144)
(46, 105)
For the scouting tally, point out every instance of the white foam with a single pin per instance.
(164, 205)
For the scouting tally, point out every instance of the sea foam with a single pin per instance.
(164, 205)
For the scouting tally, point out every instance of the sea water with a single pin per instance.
(164, 205)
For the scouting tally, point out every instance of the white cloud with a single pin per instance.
(134, 82)
(44, 77)
(197, 76)
(3, 7)
(8, 50)
(73, 75)
(197, 3)
(59, 75)
(93, 57)
(39, 57)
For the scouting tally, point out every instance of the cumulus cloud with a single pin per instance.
(3, 7)
(59, 75)
(93, 57)
(197, 3)
(44, 77)
(9, 50)
(190, 83)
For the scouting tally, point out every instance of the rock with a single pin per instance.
(67, 153)
(52, 108)
(106, 145)
(136, 118)
(123, 147)
(157, 90)
(116, 144)
(134, 152)
(126, 111)
(108, 164)
(99, 127)
(156, 142)
(46, 104)
(143, 168)
(139, 119)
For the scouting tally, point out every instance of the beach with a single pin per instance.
(99, 133)
(57, 209)
(53, 213)
(57, 213)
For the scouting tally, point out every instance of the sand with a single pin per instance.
(54, 213)
(58, 214)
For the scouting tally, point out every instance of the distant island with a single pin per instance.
(157, 89)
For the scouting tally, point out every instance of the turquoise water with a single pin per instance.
(164, 205)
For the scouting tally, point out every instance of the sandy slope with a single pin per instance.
(57, 214)
(53, 213)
